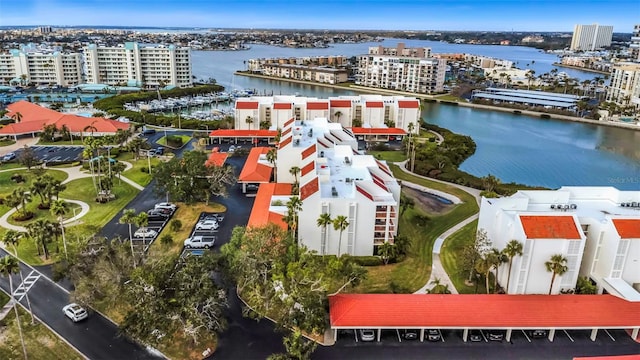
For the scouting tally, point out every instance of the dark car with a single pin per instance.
(496, 335)
(434, 335)
(538, 334)
(475, 336)
(410, 334)
(154, 215)
(165, 211)
(160, 150)
(148, 131)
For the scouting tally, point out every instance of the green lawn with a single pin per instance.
(413, 273)
(40, 342)
(185, 140)
(390, 156)
(135, 173)
(11, 165)
(449, 97)
(7, 142)
(7, 186)
(450, 253)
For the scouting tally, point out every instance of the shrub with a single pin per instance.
(1, 200)
(367, 260)
(22, 216)
(399, 288)
(17, 178)
(489, 194)
(166, 239)
(175, 225)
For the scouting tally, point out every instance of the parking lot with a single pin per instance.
(141, 244)
(56, 154)
(206, 234)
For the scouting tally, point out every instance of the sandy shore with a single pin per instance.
(366, 90)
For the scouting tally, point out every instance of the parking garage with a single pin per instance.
(482, 315)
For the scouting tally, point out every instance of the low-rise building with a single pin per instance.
(597, 230)
(319, 74)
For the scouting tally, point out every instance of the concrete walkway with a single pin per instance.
(6, 309)
(439, 137)
(5, 224)
(437, 270)
(21, 143)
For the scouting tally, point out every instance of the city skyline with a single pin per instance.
(463, 15)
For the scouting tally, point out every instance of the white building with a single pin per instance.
(411, 74)
(591, 37)
(635, 43)
(334, 179)
(361, 113)
(40, 66)
(138, 64)
(597, 229)
(624, 88)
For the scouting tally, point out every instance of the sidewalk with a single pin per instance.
(18, 145)
(6, 309)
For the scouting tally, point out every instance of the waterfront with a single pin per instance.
(512, 147)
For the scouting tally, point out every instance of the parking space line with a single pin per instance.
(441, 336)
(484, 337)
(355, 334)
(398, 333)
(610, 336)
(569, 336)
(525, 335)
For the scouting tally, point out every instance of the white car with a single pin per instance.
(166, 205)
(198, 242)
(207, 225)
(145, 233)
(75, 312)
(367, 335)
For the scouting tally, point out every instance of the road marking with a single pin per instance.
(22, 290)
(569, 336)
(608, 333)
(525, 335)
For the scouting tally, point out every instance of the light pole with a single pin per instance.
(149, 160)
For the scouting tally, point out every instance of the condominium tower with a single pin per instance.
(138, 65)
(591, 37)
(625, 84)
(40, 66)
(635, 44)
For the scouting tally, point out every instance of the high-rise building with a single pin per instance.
(138, 65)
(635, 43)
(40, 66)
(400, 68)
(591, 37)
(625, 84)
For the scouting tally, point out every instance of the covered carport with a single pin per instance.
(233, 136)
(483, 312)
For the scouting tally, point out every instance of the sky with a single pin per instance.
(464, 15)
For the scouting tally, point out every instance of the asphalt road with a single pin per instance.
(56, 153)
(96, 337)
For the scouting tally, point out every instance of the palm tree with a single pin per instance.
(294, 171)
(294, 205)
(499, 258)
(17, 116)
(59, 209)
(24, 197)
(323, 221)
(142, 220)
(39, 232)
(556, 265)
(272, 157)
(438, 287)
(90, 127)
(8, 266)
(513, 249)
(340, 223)
(249, 121)
(12, 237)
(387, 251)
(338, 114)
(129, 217)
(484, 266)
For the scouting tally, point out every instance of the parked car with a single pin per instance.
(156, 215)
(198, 242)
(475, 336)
(145, 233)
(75, 312)
(8, 157)
(496, 336)
(165, 205)
(148, 131)
(434, 335)
(164, 211)
(207, 225)
(367, 334)
(216, 217)
(538, 334)
(410, 334)
(232, 148)
(160, 150)
(252, 187)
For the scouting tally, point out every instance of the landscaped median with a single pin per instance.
(139, 173)
(412, 273)
(174, 141)
(450, 256)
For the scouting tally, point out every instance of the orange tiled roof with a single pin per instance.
(253, 171)
(309, 188)
(408, 104)
(246, 105)
(377, 131)
(375, 104)
(242, 133)
(260, 214)
(282, 106)
(499, 311)
(627, 228)
(308, 151)
(317, 106)
(216, 158)
(307, 168)
(549, 227)
(31, 111)
(341, 103)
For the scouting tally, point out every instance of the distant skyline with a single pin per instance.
(463, 15)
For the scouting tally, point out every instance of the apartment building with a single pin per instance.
(40, 66)
(390, 115)
(138, 64)
(624, 88)
(591, 37)
(320, 74)
(256, 65)
(334, 179)
(635, 44)
(404, 69)
(597, 229)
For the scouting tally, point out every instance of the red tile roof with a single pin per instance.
(627, 228)
(307, 168)
(285, 142)
(317, 106)
(260, 214)
(374, 104)
(497, 311)
(549, 227)
(253, 171)
(282, 106)
(308, 151)
(309, 188)
(377, 131)
(340, 103)
(216, 158)
(243, 133)
(35, 117)
(247, 105)
(408, 104)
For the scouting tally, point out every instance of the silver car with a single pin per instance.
(75, 312)
(198, 242)
(207, 225)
